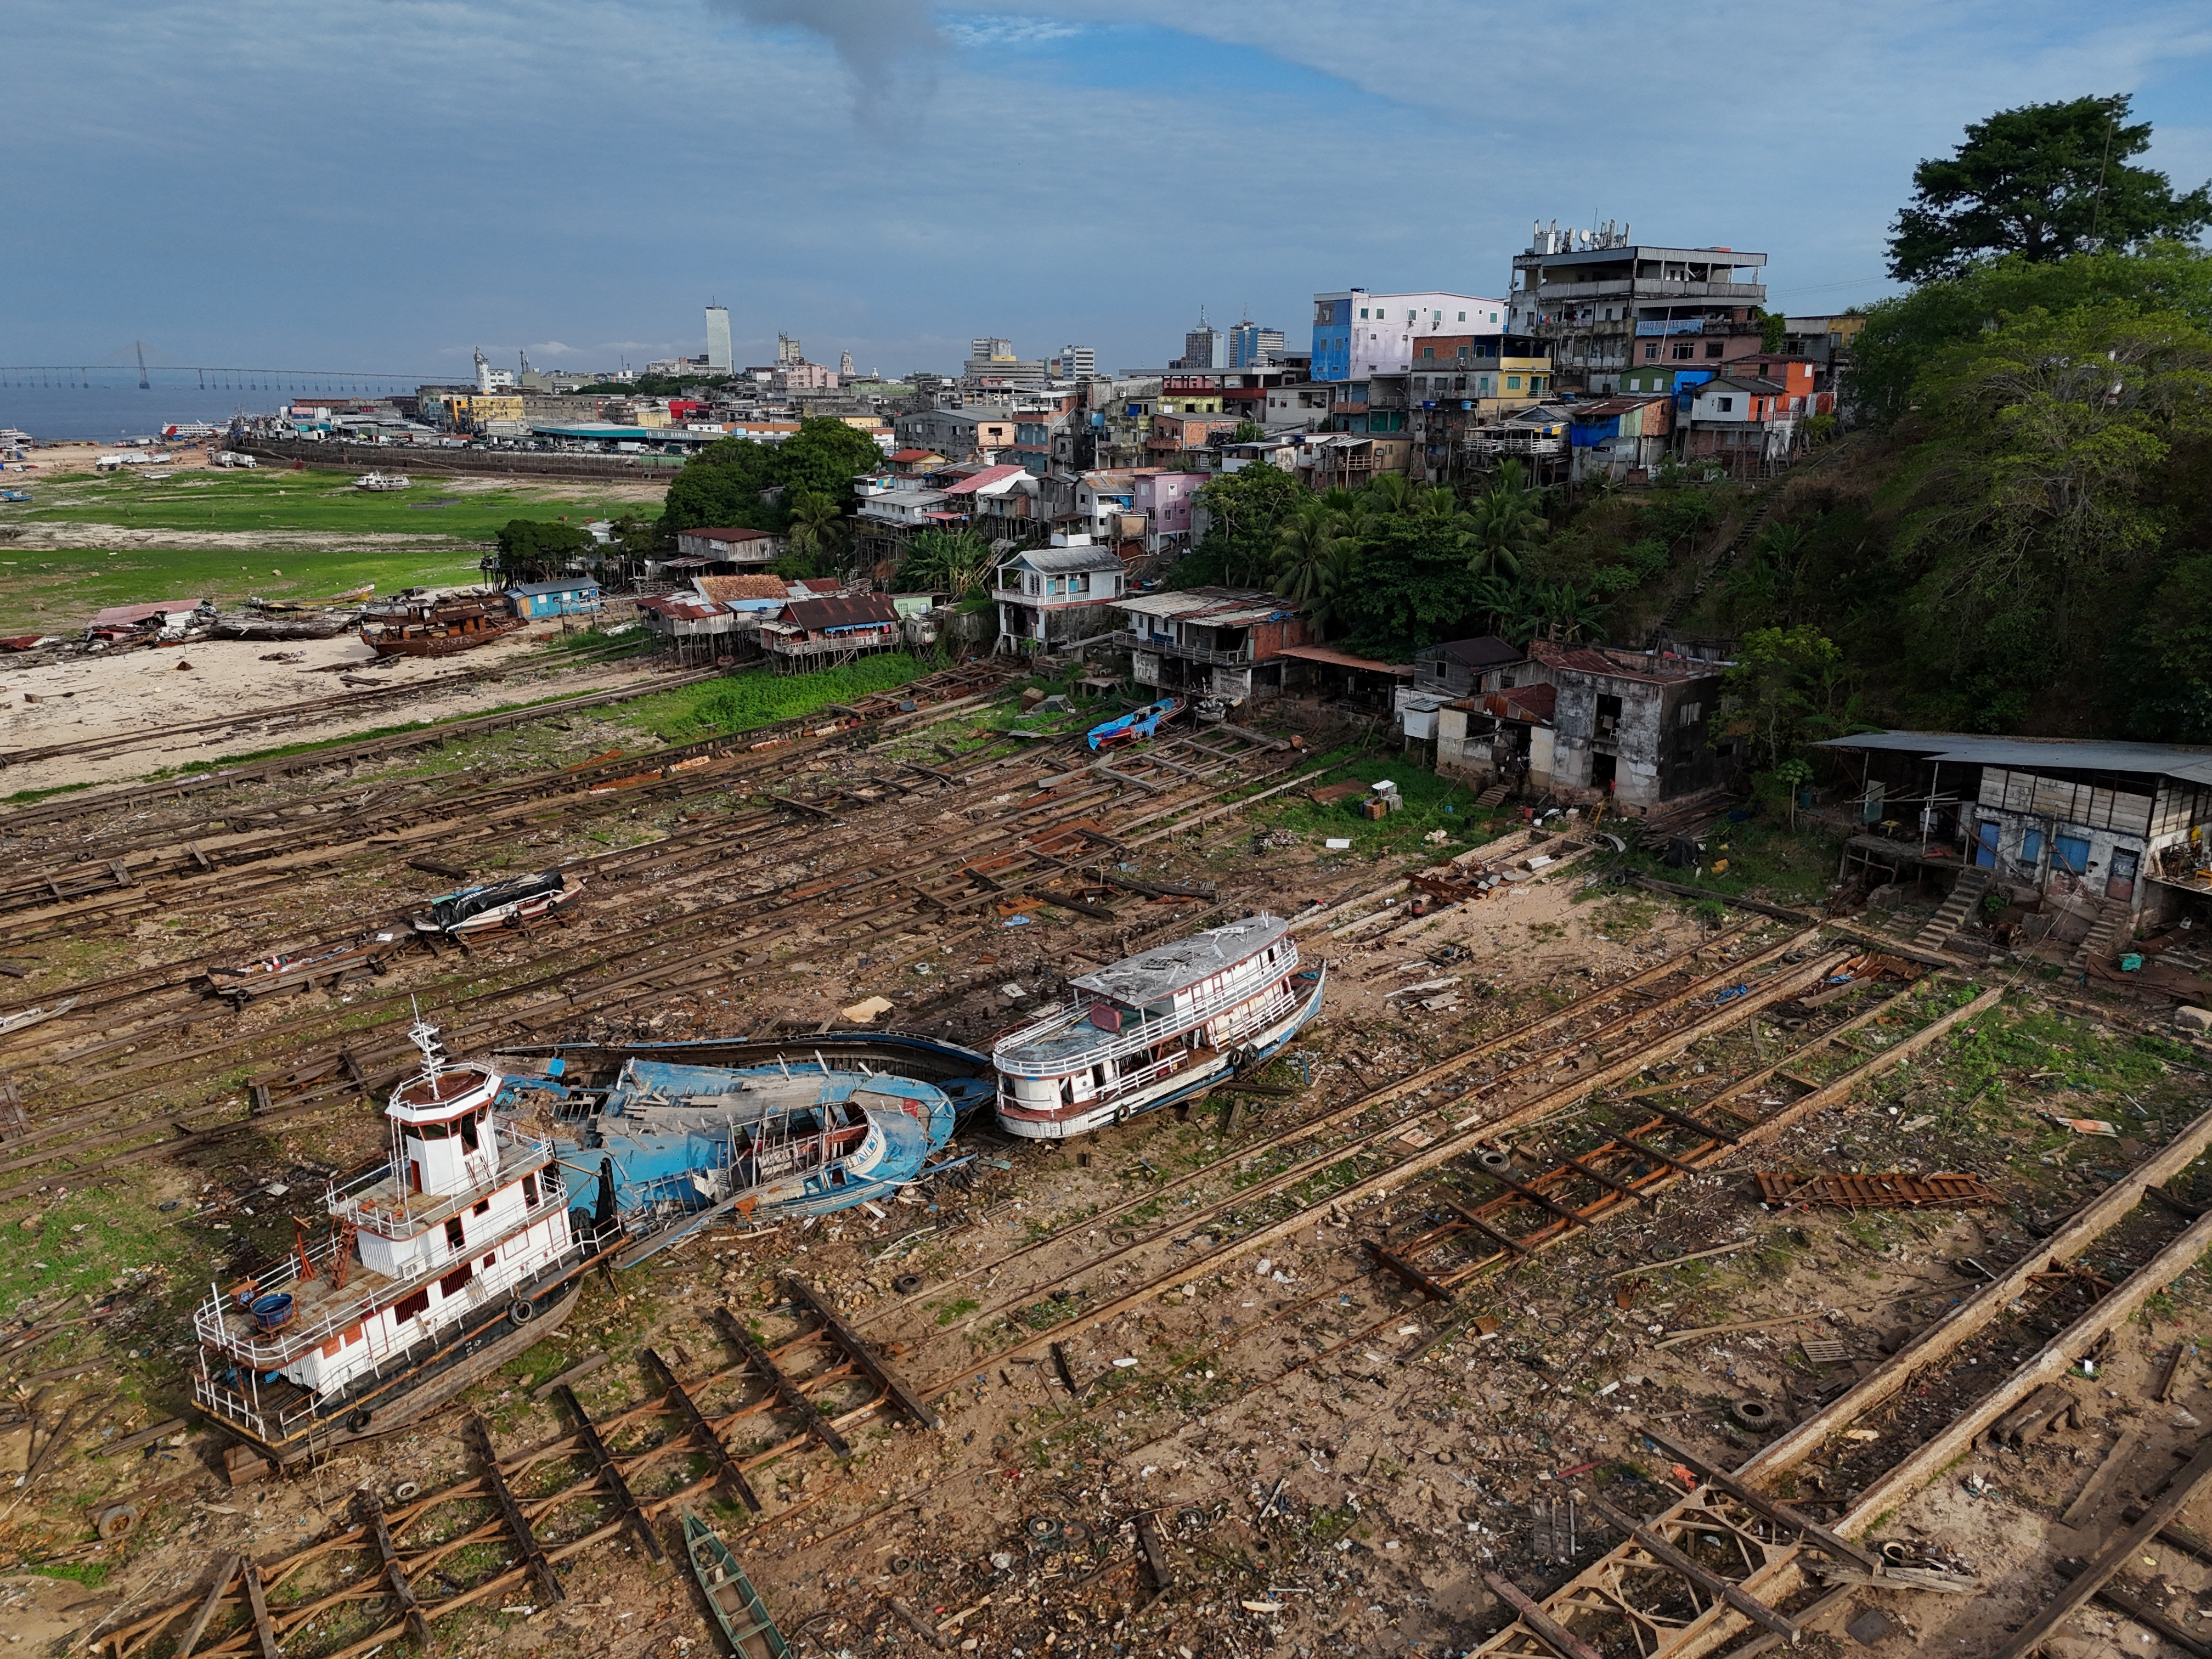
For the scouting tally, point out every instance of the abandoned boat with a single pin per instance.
(436, 627)
(444, 1259)
(746, 1623)
(288, 625)
(329, 966)
(509, 903)
(684, 1144)
(1134, 727)
(1156, 1028)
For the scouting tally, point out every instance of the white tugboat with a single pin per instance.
(1156, 1028)
(455, 1252)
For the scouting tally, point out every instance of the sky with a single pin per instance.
(388, 185)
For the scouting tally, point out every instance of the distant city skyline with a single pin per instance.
(393, 195)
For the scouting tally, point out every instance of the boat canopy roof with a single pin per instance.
(1158, 973)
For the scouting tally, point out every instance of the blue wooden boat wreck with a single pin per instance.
(1133, 728)
(680, 1140)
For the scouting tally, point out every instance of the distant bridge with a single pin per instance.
(140, 365)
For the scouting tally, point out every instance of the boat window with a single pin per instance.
(428, 1131)
(454, 1238)
(488, 1262)
(458, 1280)
(469, 1142)
(1067, 1091)
(836, 1175)
(418, 1301)
(530, 1191)
(482, 1207)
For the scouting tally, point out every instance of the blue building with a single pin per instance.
(572, 596)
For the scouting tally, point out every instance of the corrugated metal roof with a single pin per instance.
(727, 588)
(732, 533)
(858, 610)
(1157, 974)
(1484, 651)
(1215, 605)
(1058, 560)
(573, 585)
(1657, 666)
(2192, 765)
(989, 475)
(1344, 659)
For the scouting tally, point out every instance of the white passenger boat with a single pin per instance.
(1156, 1028)
(381, 481)
(443, 1259)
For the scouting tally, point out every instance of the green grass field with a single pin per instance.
(277, 499)
(54, 589)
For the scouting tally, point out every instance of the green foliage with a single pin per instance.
(955, 561)
(1774, 328)
(1789, 689)
(536, 550)
(2042, 181)
(744, 702)
(1505, 524)
(1247, 510)
(1248, 432)
(754, 486)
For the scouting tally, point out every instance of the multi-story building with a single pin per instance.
(1747, 426)
(1251, 346)
(1074, 362)
(1203, 347)
(718, 339)
(1359, 335)
(1605, 304)
(1163, 500)
(1635, 726)
(788, 351)
(977, 433)
(1217, 641)
(1048, 597)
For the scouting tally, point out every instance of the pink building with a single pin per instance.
(1163, 499)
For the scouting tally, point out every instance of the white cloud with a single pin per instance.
(983, 29)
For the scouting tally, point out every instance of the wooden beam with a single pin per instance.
(786, 1390)
(863, 1356)
(1684, 1120)
(1645, 1200)
(1773, 1509)
(1657, 1156)
(1405, 1272)
(1513, 1246)
(2151, 1619)
(1940, 1340)
(257, 1603)
(395, 1571)
(2100, 1481)
(1674, 1561)
(2109, 1559)
(216, 1591)
(1554, 1635)
(518, 1527)
(1522, 1190)
(730, 1477)
(611, 1475)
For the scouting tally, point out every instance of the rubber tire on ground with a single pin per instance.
(118, 1521)
(1759, 1416)
(521, 1310)
(1492, 1160)
(407, 1489)
(907, 1284)
(1041, 1529)
(359, 1418)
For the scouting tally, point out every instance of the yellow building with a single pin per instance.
(479, 408)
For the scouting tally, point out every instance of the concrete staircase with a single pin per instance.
(2102, 939)
(1974, 882)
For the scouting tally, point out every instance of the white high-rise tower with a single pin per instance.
(718, 338)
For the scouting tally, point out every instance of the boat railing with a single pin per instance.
(1130, 1039)
(1258, 1014)
(359, 1202)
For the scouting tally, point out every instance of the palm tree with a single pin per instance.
(817, 526)
(1389, 492)
(1313, 559)
(1507, 523)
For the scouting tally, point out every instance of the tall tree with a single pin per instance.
(2043, 181)
(818, 528)
(1507, 521)
(1246, 510)
(1316, 561)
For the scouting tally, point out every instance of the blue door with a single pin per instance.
(1986, 845)
(2030, 848)
(2071, 853)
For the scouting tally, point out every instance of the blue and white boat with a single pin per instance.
(1157, 1028)
(1133, 728)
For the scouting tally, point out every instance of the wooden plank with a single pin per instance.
(1513, 1247)
(2099, 1483)
(2152, 1619)
(1406, 1273)
(863, 1356)
(1674, 1561)
(1772, 1509)
(1645, 1200)
(786, 1390)
(257, 1603)
(730, 1477)
(1148, 1541)
(518, 1527)
(1657, 1156)
(216, 1591)
(395, 1571)
(2109, 1559)
(143, 1437)
(544, 1391)
(1974, 1314)
(1554, 1636)
(610, 1476)
(1522, 1190)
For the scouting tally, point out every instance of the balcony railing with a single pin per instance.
(1650, 287)
(1129, 639)
(359, 1202)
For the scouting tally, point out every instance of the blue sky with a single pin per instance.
(384, 185)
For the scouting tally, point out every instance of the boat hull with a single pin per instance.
(1262, 1046)
(378, 1406)
(521, 911)
(439, 645)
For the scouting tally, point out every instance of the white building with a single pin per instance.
(1359, 335)
(718, 338)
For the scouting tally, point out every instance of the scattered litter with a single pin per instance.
(1011, 989)
(860, 1013)
(1124, 1365)
(1338, 843)
(1416, 1136)
(2089, 1126)
(1978, 1486)
(1921, 1122)
(1015, 921)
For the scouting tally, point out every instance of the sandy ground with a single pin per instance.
(59, 461)
(143, 691)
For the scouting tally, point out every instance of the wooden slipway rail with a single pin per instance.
(1648, 1585)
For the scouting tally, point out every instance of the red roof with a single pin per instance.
(968, 485)
(915, 455)
(1523, 702)
(117, 616)
(1345, 659)
(681, 609)
(819, 584)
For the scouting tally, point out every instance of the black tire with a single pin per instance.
(522, 1310)
(359, 1418)
(907, 1284)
